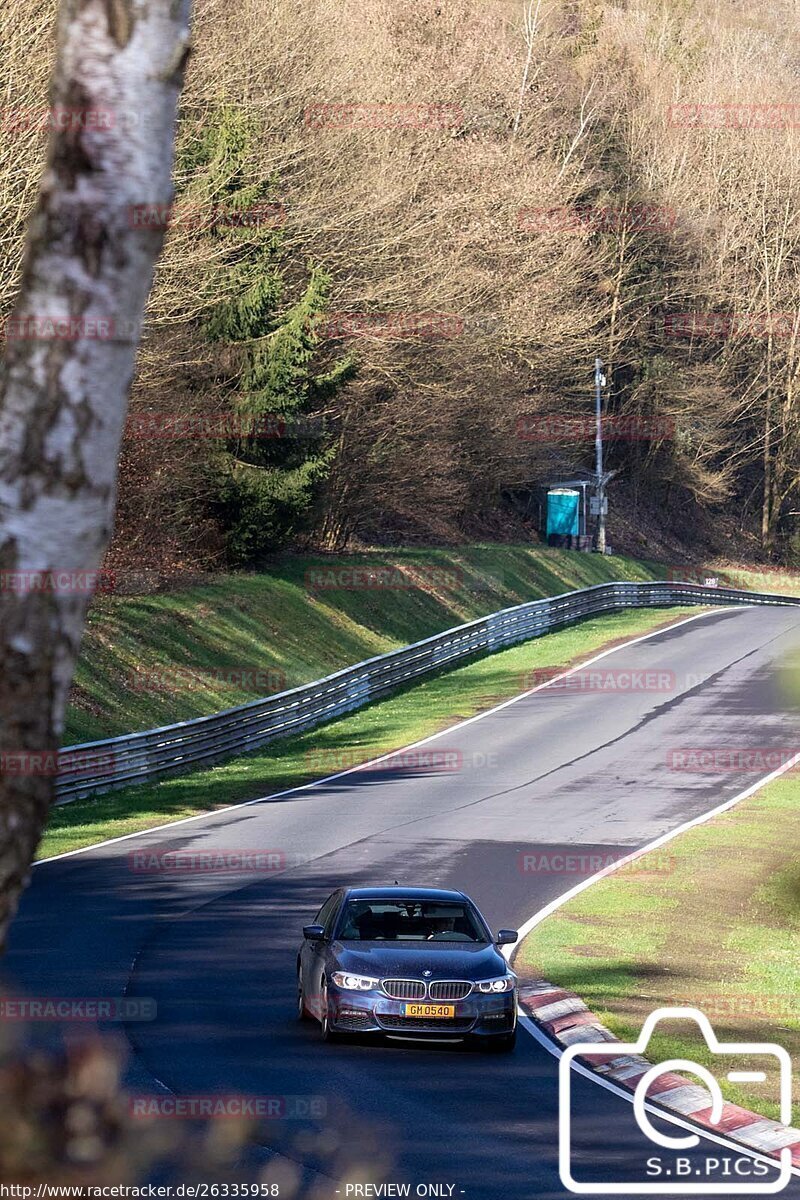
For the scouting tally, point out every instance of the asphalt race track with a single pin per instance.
(553, 772)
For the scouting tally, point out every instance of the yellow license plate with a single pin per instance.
(430, 1010)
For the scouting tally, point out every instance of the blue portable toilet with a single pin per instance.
(563, 512)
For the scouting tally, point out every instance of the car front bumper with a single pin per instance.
(478, 1016)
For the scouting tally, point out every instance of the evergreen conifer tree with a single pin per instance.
(270, 471)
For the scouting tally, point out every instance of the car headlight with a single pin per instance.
(354, 983)
(504, 984)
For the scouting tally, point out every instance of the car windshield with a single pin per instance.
(409, 921)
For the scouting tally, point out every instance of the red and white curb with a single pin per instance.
(566, 1019)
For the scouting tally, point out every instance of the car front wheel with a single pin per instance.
(328, 1034)
(302, 1011)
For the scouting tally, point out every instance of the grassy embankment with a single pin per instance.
(197, 641)
(151, 660)
(274, 622)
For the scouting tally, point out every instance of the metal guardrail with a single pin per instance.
(140, 757)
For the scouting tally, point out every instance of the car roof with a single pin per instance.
(407, 893)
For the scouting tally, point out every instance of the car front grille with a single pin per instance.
(417, 989)
(446, 1025)
(404, 989)
(449, 989)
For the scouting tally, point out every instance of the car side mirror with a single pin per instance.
(506, 937)
(314, 933)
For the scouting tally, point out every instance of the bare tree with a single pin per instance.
(531, 23)
(71, 346)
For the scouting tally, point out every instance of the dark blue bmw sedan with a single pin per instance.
(410, 963)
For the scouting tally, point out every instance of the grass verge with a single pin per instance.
(709, 920)
(154, 659)
(419, 711)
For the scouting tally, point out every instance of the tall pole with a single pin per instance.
(598, 445)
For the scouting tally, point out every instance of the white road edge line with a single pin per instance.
(554, 905)
(302, 787)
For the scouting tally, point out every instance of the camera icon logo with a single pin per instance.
(762, 1054)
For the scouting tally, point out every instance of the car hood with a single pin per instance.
(409, 959)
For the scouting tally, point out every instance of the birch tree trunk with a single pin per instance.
(70, 349)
